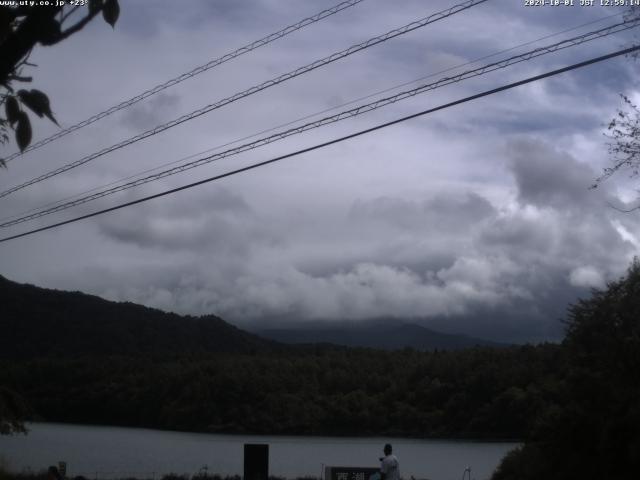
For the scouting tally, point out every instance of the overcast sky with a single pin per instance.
(477, 219)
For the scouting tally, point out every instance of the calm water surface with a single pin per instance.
(111, 452)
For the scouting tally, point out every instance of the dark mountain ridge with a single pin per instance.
(380, 333)
(40, 322)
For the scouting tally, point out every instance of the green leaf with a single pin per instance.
(111, 12)
(38, 102)
(12, 109)
(23, 131)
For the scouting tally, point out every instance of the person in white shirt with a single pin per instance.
(389, 466)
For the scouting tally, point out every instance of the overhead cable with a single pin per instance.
(334, 118)
(196, 71)
(270, 83)
(331, 142)
(305, 117)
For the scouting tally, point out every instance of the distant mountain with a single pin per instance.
(386, 334)
(39, 322)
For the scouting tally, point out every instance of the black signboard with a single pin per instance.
(256, 461)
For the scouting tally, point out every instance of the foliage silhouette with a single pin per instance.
(592, 429)
(23, 27)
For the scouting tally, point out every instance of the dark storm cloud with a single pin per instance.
(513, 232)
(449, 212)
(450, 259)
(224, 224)
(545, 177)
(506, 275)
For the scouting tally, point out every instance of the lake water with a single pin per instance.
(113, 452)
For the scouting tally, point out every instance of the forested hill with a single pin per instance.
(39, 322)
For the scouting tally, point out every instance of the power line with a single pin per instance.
(306, 117)
(331, 142)
(577, 40)
(335, 118)
(255, 89)
(196, 71)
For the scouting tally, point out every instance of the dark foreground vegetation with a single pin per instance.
(592, 429)
(576, 405)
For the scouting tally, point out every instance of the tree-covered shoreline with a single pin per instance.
(592, 431)
(480, 393)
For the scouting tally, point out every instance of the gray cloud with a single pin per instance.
(154, 112)
(548, 178)
(445, 256)
(447, 212)
(226, 224)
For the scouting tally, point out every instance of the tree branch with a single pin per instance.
(20, 78)
(78, 26)
(68, 14)
(23, 39)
